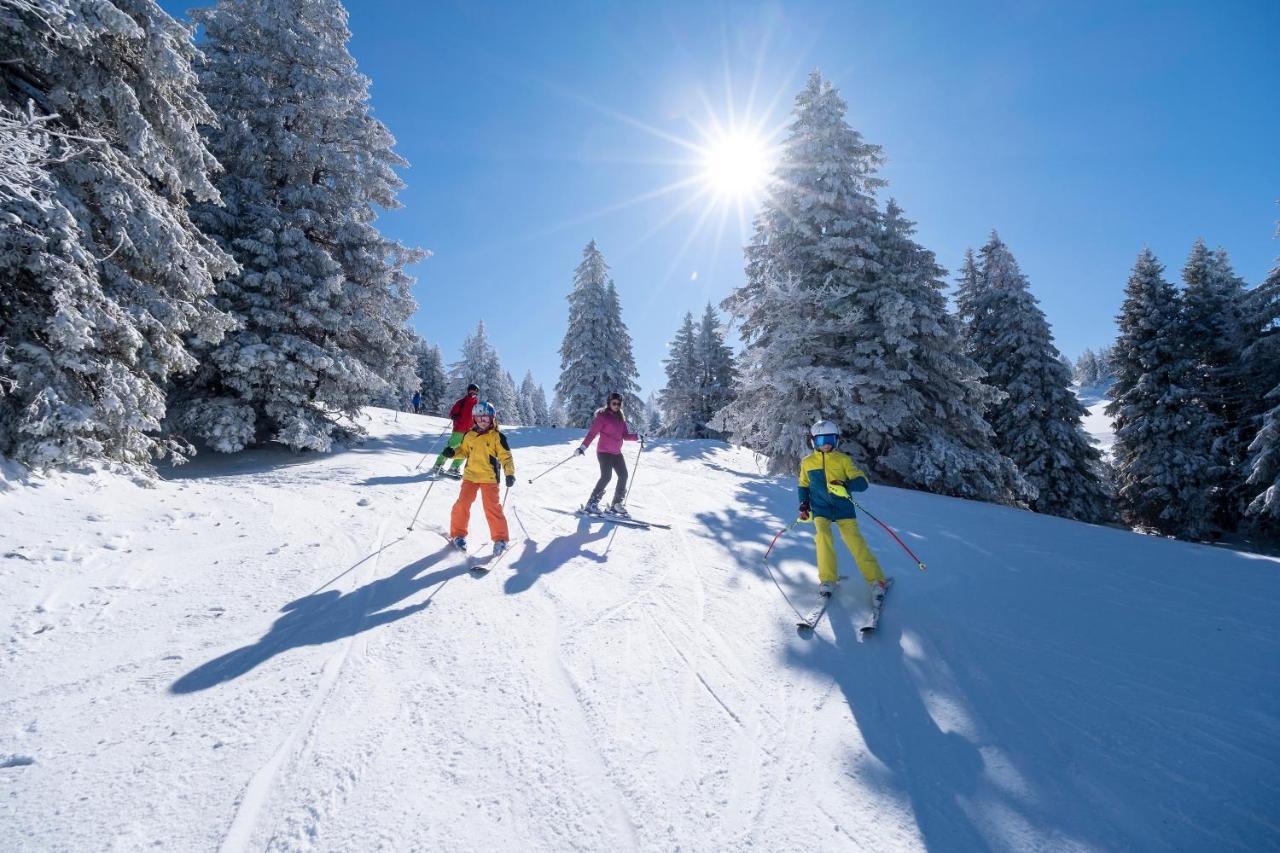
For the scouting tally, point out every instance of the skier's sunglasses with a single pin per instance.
(824, 440)
(614, 404)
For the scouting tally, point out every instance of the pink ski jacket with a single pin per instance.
(612, 432)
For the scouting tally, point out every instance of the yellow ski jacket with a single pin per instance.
(484, 452)
(817, 471)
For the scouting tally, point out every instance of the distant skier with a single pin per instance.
(484, 448)
(461, 415)
(417, 402)
(826, 477)
(610, 424)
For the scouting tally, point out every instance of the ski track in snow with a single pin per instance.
(253, 654)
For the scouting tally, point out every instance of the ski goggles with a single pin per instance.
(825, 440)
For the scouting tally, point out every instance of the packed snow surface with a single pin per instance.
(254, 653)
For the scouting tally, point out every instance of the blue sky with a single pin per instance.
(1080, 131)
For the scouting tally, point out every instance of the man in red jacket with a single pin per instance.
(461, 415)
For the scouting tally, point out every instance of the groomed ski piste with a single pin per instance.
(255, 654)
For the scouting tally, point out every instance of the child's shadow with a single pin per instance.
(534, 564)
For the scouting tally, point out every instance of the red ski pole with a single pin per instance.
(919, 562)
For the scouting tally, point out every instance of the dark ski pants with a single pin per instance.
(610, 463)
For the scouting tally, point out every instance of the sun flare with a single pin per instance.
(736, 165)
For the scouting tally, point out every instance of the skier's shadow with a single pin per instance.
(534, 564)
(921, 760)
(324, 617)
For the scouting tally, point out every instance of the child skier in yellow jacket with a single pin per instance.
(485, 449)
(826, 478)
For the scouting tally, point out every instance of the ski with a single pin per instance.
(479, 566)
(873, 619)
(616, 519)
(810, 621)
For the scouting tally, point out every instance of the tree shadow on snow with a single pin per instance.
(324, 617)
(534, 563)
(964, 795)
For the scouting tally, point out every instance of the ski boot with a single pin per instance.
(453, 474)
(592, 507)
(619, 510)
(460, 543)
(436, 471)
(499, 546)
(878, 589)
(826, 589)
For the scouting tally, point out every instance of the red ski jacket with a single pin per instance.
(461, 413)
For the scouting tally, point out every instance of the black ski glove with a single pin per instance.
(581, 450)
(447, 453)
(804, 510)
(511, 480)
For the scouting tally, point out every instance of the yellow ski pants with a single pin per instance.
(852, 536)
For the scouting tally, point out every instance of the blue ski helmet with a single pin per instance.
(485, 409)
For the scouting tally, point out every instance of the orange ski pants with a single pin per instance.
(492, 509)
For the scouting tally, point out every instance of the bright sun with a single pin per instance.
(736, 165)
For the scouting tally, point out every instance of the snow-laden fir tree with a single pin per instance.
(1213, 306)
(1262, 371)
(678, 397)
(1038, 422)
(718, 371)
(813, 246)
(653, 411)
(968, 285)
(103, 272)
(533, 402)
(480, 365)
(322, 296)
(1085, 370)
(701, 376)
(934, 434)
(507, 399)
(595, 357)
(1163, 466)
(433, 385)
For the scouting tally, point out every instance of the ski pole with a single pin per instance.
(552, 468)
(634, 468)
(769, 568)
(431, 486)
(447, 430)
(891, 533)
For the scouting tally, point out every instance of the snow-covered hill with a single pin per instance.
(1097, 422)
(256, 654)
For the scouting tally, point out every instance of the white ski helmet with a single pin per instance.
(824, 428)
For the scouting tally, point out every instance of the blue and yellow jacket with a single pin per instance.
(817, 470)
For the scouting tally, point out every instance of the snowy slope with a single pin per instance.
(1097, 422)
(255, 654)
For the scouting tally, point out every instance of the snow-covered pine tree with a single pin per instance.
(678, 397)
(322, 296)
(535, 401)
(1086, 369)
(1038, 423)
(104, 273)
(528, 408)
(813, 246)
(1163, 466)
(596, 356)
(432, 382)
(717, 369)
(1262, 371)
(480, 364)
(968, 285)
(1213, 306)
(653, 409)
(935, 435)
(509, 403)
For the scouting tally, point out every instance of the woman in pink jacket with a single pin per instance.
(611, 425)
